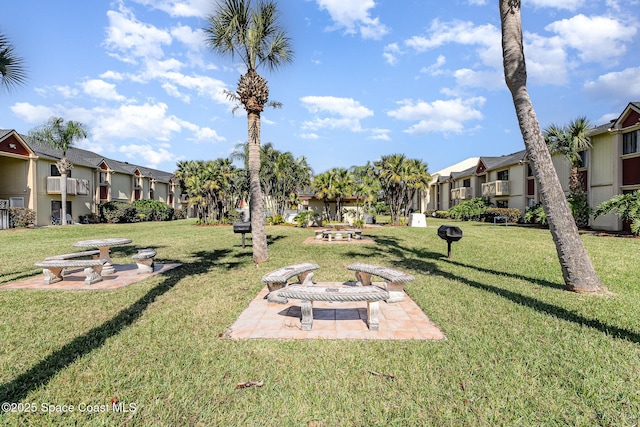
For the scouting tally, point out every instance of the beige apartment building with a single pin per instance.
(29, 178)
(610, 167)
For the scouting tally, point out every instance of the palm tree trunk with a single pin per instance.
(63, 197)
(256, 207)
(577, 270)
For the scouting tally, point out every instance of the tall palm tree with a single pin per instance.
(391, 172)
(12, 69)
(570, 141)
(322, 188)
(61, 136)
(251, 31)
(577, 269)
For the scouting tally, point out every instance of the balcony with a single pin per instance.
(495, 188)
(53, 185)
(461, 193)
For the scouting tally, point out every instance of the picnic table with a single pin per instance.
(103, 245)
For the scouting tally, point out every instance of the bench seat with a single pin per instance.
(277, 279)
(307, 294)
(52, 269)
(394, 279)
(94, 254)
(145, 259)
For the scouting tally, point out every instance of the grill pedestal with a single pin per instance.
(242, 228)
(449, 233)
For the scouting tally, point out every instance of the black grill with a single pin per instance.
(243, 228)
(449, 233)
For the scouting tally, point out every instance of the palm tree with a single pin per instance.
(626, 206)
(12, 71)
(252, 32)
(570, 141)
(577, 269)
(322, 189)
(391, 173)
(61, 136)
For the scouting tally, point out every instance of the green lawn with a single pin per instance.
(519, 350)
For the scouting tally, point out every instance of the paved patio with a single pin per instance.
(344, 320)
(125, 275)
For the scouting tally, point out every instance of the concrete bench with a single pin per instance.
(319, 234)
(337, 234)
(277, 279)
(356, 233)
(52, 269)
(394, 279)
(145, 260)
(307, 294)
(93, 254)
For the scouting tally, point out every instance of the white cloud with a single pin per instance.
(444, 116)
(130, 39)
(345, 113)
(391, 52)
(101, 89)
(597, 39)
(354, 16)
(32, 113)
(207, 135)
(380, 134)
(564, 4)
(436, 68)
(618, 85)
(181, 8)
(151, 156)
(309, 136)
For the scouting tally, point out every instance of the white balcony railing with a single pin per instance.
(495, 188)
(53, 185)
(461, 193)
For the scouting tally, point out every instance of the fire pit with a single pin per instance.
(449, 233)
(243, 228)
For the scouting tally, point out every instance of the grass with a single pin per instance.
(519, 349)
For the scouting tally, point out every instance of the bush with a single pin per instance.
(436, 214)
(580, 209)
(512, 214)
(117, 212)
(232, 216)
(179, 213)
(535, 215)
(470, 210)
(626, 206)
(153, 210)
(22, 217)
(302, 219)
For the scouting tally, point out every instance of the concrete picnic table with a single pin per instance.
(104, 245)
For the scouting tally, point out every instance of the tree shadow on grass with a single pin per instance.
(424, 261)
(41, 373)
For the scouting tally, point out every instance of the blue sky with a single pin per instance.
(369, 78)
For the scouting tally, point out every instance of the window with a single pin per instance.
(630, 142)
(584, 158)
(503, 175)
(531, 202)
(466, 182)
(502, 203)
(56, 172)
(529, 170)
(103, 177)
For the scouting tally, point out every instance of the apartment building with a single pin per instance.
(29, 178)
(610, 167)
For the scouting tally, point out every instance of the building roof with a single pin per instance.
(80, 157)
(502, 161)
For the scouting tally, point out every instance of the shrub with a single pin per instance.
(117, 212)
(535, 215)
(153, 210)
(580, 209)
(302, 219)
(469, 210)
(22, 217)
(179, 213)
(626, 206)
(512, 214)
(232, 216)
